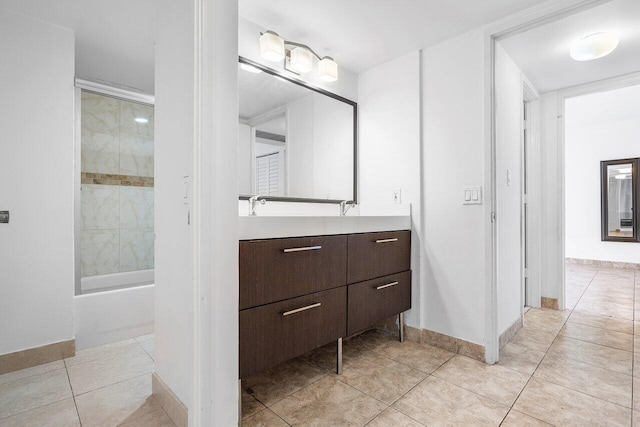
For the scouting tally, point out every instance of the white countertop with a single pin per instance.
(269, 227)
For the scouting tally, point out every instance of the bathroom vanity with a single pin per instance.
(300, 293)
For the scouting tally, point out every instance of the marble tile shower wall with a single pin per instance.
(117, 220)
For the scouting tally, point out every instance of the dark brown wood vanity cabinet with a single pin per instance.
(379, 277)
(297, 294)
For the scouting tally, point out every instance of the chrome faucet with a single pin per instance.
(253, 204)
(345, 205)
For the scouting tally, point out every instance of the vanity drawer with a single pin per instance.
(280, 331)
(374, 255)
(277, 269)
(377, 299)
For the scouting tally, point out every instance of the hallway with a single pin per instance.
(572, 368)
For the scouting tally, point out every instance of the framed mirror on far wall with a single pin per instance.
(619, 190)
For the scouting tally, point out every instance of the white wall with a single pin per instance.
(599, 126)
(389, 148)
(453, 138)
(249, 47)
(509, 116)
(551, 187)
(36, 183)
(173, 161)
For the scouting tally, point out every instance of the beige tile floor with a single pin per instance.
(571, 368)
(108, 385)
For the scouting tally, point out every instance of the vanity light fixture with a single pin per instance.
(594, 46)
(623, 176)
(141, 120)
(298, 57)
(328, 69)
(271, 46)
(301, 60)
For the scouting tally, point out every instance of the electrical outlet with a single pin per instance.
(397, 196)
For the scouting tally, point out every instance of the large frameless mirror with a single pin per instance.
(619, 181)
(295, 141)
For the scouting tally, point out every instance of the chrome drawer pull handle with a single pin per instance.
(307, 248)
(388, 285)
(298, 310)
(387, 240)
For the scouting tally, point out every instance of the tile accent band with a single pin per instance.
(113, 179)
(23, 359)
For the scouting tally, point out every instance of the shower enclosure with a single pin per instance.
(114, 207)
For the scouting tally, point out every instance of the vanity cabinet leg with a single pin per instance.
(239, 403)
(339, 357)
(401, 326)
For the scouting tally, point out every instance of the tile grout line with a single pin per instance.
(73, 395)
(545, 355)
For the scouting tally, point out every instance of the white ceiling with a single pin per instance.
(115, 39)
(362, 33)
(543, 53)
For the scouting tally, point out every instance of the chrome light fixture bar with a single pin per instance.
(298, 57)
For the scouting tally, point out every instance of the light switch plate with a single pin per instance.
(472, 195)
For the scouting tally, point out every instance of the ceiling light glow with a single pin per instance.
(250, 68)
(594, 46)
(141, 120)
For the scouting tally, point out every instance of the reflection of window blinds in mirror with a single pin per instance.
(268, 175)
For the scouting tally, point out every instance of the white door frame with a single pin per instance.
(531, 223)
(531, 18)
(627, 80)
(214, 218)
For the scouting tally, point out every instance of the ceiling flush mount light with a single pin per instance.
(141, 120)
(594, 46)
(298, 58)
(624, 170)
(271, 46)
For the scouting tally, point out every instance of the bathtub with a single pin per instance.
(113, 315)
(116, 281)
